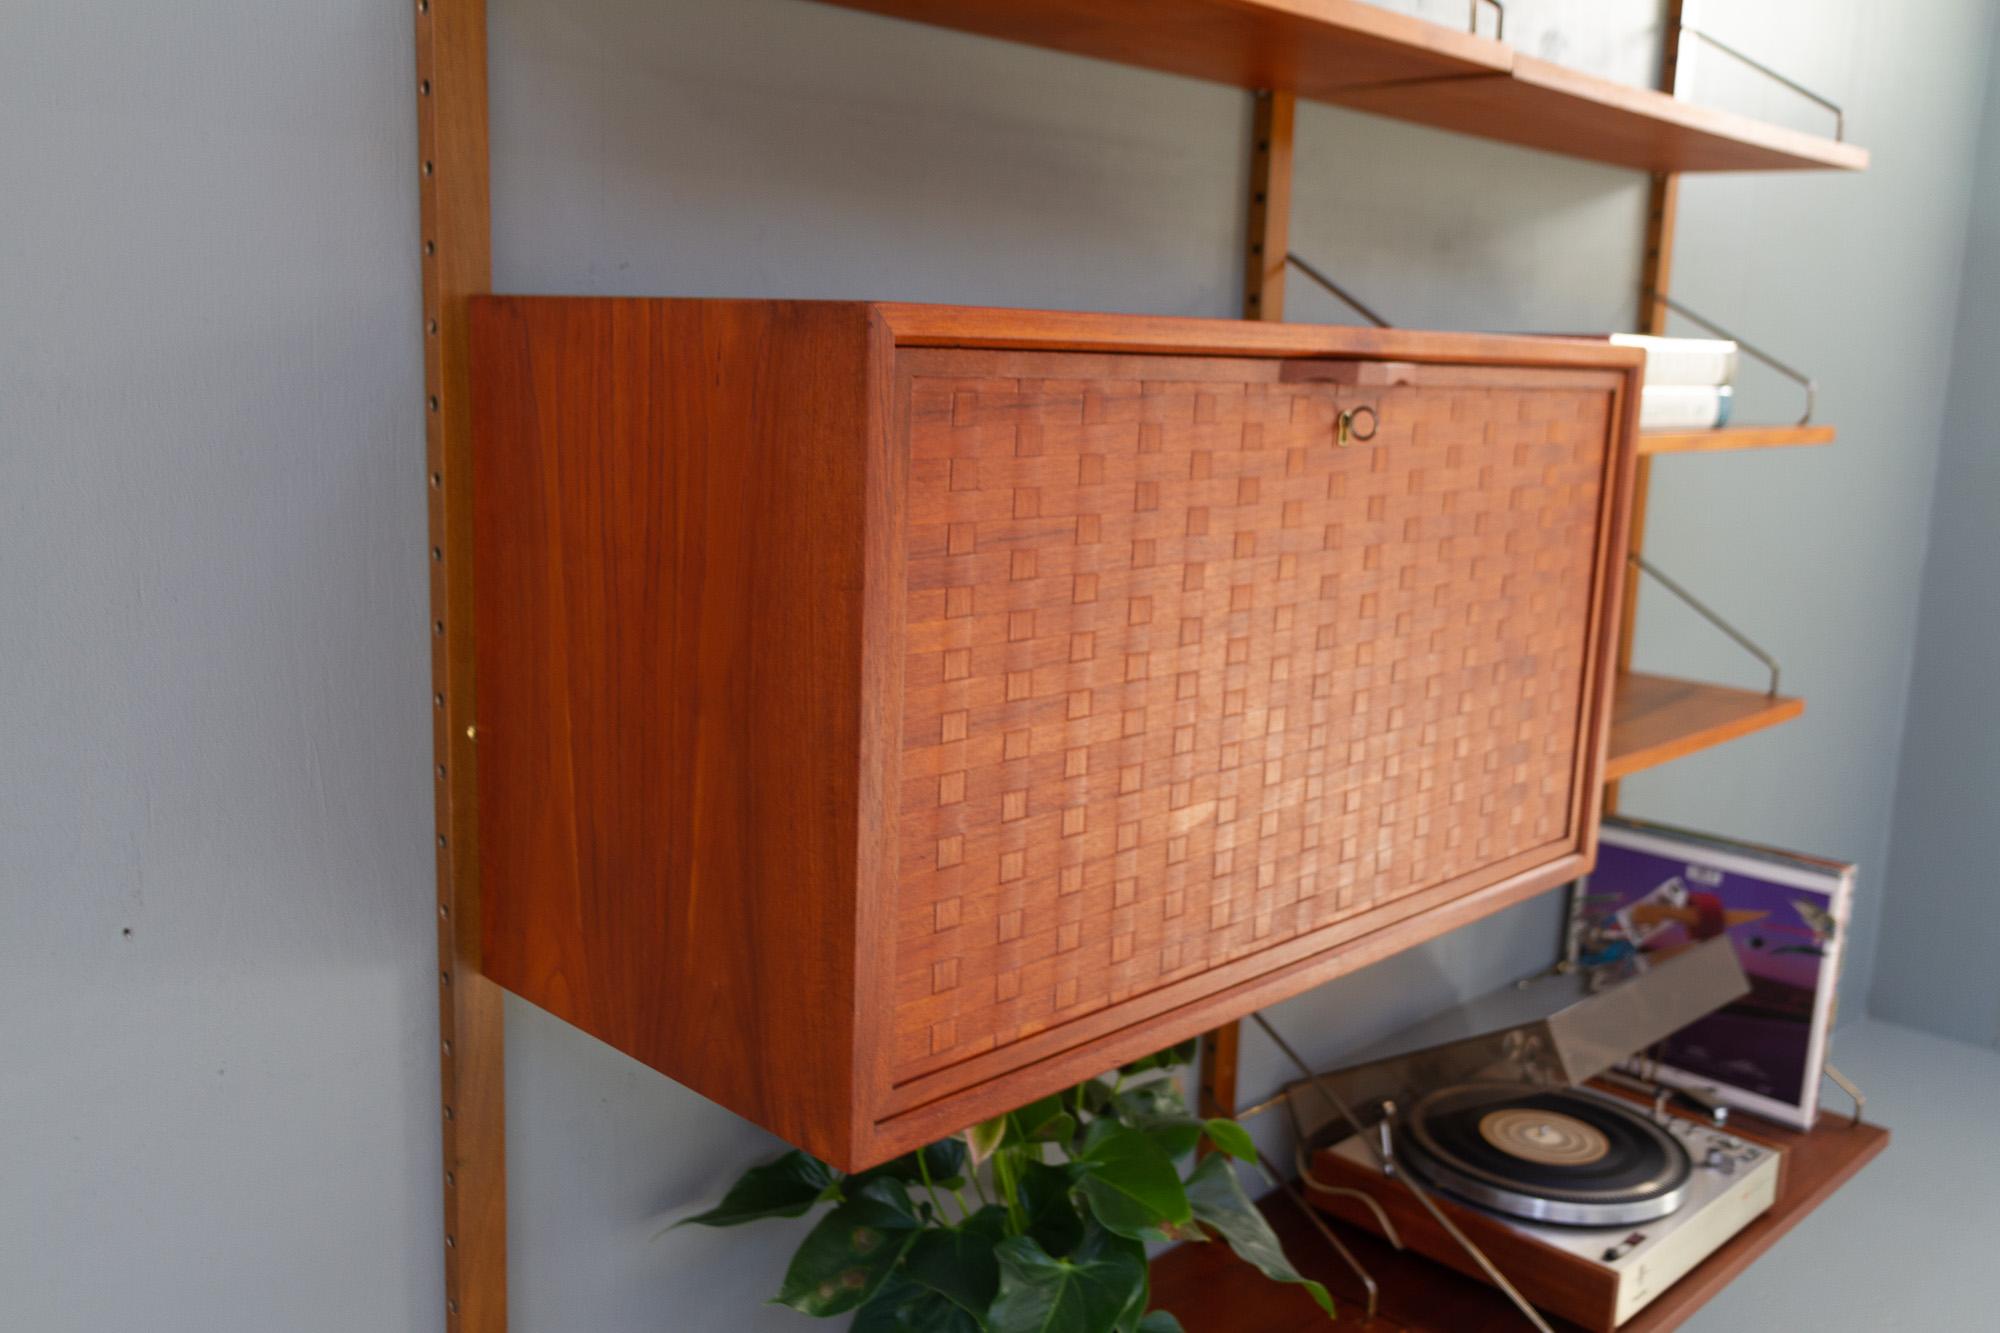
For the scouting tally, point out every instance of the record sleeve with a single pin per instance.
(1658, 889)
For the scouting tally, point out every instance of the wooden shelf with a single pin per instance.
(1355, 55)
(1735, 437)
(1213, 1292)
(1558, 110)
(1655, 719)
(1316, 48)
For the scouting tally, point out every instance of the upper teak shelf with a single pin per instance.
(1356, 55)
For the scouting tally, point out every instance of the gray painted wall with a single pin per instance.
(217, 1020)
(1941, 934)
(212, 595)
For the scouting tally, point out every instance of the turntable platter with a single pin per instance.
(1548, 1138)
(1546, 1154)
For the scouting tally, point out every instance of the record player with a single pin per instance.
(1471, 1140)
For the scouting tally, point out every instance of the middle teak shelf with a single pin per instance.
(1656, 719)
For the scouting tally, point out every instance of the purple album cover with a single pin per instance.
(1657, 890)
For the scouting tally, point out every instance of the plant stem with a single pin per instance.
(978, 1186)
(1006, 1180)
(924, 1169)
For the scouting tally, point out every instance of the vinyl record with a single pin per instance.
(1546, 1154)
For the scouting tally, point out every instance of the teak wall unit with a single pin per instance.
(1335, 50)
(946, 705)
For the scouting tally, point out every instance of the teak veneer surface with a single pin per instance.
(1214, 1292)
(1731, 438)
(1315, 48)
(891, 714)
(1658, 719)
(1561, 110)
(1362, 56)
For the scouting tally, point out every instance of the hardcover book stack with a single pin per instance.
(1690, 382)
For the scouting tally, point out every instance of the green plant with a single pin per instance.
(983, 1233)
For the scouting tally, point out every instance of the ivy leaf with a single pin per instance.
(1142, 1295)
(1159, 1321)
(901, 1306)
(1045, 1121)
(1171, 1058)
(786, 1187)
(984, 1139)
(1129, 1182)
(1220, 1203)
(1052, 1218)
(853, 1248)
(1086, 1293)
(945, 1160)
(1177, 1135)
(1157, 1100)
(1231, 1138)
(957, 1263)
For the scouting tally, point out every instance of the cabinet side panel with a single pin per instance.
(669, 511)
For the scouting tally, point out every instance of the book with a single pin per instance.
(1708, 362)
(1658, 889)
(1684, 406)
(1705, 361)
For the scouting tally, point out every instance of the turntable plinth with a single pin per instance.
(1213, 1292)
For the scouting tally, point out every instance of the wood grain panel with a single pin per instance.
(1265, 255)
(1560, 110)
(454, 253)
(1313, 47)
(671, 505)
(1659, 719)
(1365, 57)
(1730, 439)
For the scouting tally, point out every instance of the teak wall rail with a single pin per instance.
(451, 44)
(456, 257)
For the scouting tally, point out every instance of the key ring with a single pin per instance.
(1350, 428)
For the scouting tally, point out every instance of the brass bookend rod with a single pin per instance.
(1385, 1158)
(1796, 376)
(1340, 293)
(1710, 614)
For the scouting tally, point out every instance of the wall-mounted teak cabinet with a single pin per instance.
(889, 714)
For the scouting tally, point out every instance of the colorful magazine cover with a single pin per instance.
(1658, 889)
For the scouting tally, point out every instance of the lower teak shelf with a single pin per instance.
(1214, 1292)
(888, 715)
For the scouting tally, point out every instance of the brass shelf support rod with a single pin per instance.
(1710, 614)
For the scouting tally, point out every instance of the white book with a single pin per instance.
(1684, 406)
(1705, 361)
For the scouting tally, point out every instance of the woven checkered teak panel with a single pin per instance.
(1187, 681)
